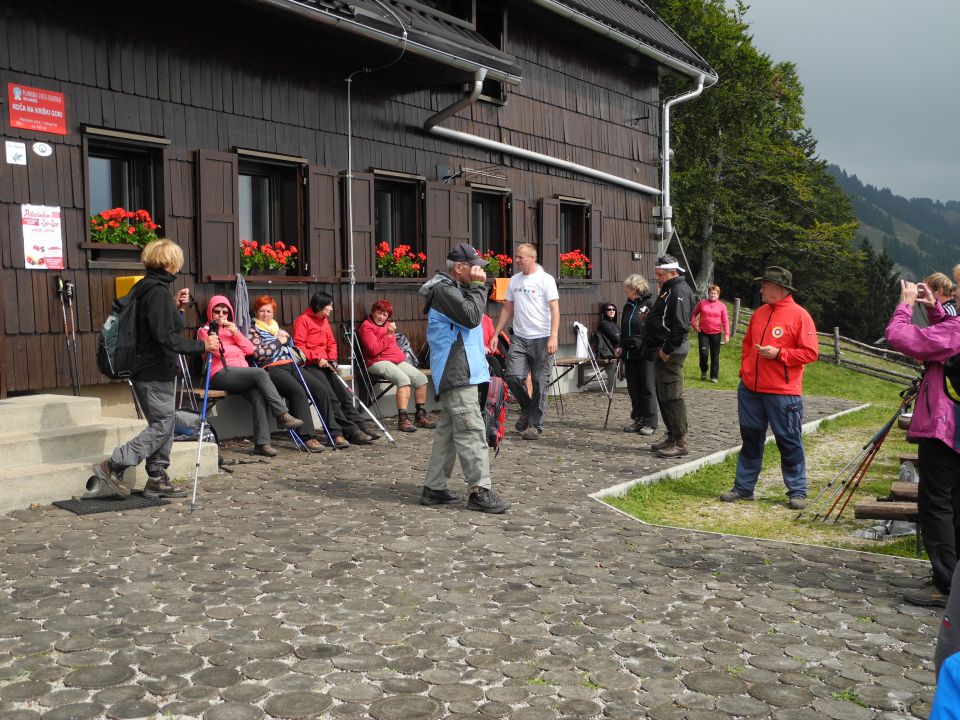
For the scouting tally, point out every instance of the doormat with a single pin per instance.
(89, 506)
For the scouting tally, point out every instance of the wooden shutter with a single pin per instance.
(363, 227)
(218, 243)
(448, 222)
(549, 253)
(323, 249)
(595, 251)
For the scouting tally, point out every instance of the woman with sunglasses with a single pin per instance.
(231, 373)
(606, 340)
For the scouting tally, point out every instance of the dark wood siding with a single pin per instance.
(217, 222)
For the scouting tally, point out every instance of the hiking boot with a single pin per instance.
(703, 376)
(522, 421)
(714, 380)
(633, 427)
(678, 449)
(286, 421)
(930, 596)
(732, 496)
(158, 485)
(438, 497)
(531, 433)
(423, 420)
(340, 442)
(668, 441)
(797, 502)
(404, 424)
(647, 431)
(265, 450)
(371, 429)
(314, 445)
(359, 438)
(112, 476)
(482, 500)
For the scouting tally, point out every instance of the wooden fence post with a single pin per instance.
(736, 316)
(836, 346)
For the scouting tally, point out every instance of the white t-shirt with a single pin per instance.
(531, 295)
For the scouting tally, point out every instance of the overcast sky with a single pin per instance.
(882, 85)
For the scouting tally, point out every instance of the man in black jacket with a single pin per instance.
(666, 341)
(159, 341)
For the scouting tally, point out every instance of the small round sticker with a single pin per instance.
(777, 332)
(42, 149)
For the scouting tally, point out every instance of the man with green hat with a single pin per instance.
(779, 341)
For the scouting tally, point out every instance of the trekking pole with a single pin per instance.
(62, 289)
(203, 423)
(70, 291)
(857, 459)
(366, 409)
(610, 397)
(187, 383)
(303, 381)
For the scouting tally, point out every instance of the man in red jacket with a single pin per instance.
(780, 340)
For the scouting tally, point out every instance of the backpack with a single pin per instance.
(117, 340)
(494, 413)
(404, 344)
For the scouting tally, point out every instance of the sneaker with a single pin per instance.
(635, 426)
(112, 476)
(714, 380)
(314, 445)
(797, 502)
(930, 596)
(703, 376)
(531, 433)
(665, 443)
(158, 485)
(404, 424)
(340, 442)
(482, 500)
(438, 497)
(678, 449)
(733, 496)
(647, 431)
(265, 450)
(421, 419)
(521, 421)
(286, 421)
(359, 438)
(371, 429)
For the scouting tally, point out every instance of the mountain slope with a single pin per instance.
(919, 234)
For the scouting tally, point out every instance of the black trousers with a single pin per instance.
(710, 344)
(640, 385)
(938, 503)
(349, 416)
(288, 384)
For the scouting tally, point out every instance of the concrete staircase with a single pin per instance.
(49, 442)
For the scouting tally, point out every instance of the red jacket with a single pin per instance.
(785, 325)
(378, 343)
(312, 334)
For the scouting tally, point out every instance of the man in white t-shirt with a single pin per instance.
(534, 304)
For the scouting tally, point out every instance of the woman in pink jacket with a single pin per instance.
(710, 322)
(934, 427)
(232, 373)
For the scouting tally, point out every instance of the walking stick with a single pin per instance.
(65, 288)
(610, 397)
(203, 423)
(303, 381)
(366, 409)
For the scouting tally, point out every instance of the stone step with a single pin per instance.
(66, 443)
(43, 483)
(33, 413)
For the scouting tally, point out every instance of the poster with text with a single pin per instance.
(37, 109)
(42, 237)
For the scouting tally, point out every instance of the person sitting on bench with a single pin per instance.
(386, 361)
(231, 373)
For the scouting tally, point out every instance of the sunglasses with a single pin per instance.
(610, 309)
(221, 311)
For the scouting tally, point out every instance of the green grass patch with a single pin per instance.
(692, 501)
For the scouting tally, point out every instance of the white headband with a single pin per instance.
(671, 266)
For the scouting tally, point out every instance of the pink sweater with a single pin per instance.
(710, 317)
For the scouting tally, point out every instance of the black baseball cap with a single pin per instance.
(466, 253)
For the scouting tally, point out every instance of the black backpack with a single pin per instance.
(117, 340)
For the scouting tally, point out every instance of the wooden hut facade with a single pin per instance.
(483, 121)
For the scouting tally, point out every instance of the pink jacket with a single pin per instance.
(236, 346)
(710, 317)
(934, 413)
(378, 343)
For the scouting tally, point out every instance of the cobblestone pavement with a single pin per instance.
(316, 586)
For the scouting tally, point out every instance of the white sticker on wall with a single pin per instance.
(42, 149)
(16, 153)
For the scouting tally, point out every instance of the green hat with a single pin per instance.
(780, 276)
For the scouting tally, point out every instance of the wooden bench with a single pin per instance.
(886, 510)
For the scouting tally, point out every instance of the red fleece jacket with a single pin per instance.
(312, 334)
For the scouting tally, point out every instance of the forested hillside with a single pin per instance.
(919, 234)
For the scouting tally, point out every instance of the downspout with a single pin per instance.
(666, 210)
(432, 126)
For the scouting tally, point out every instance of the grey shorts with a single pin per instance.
(399, 374)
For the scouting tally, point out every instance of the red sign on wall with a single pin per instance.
(37, 109)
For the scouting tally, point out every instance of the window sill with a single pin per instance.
(577, 282)
(108, 256)
(398, 281)
(275, 279)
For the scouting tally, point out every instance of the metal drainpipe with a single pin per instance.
(666, 210)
